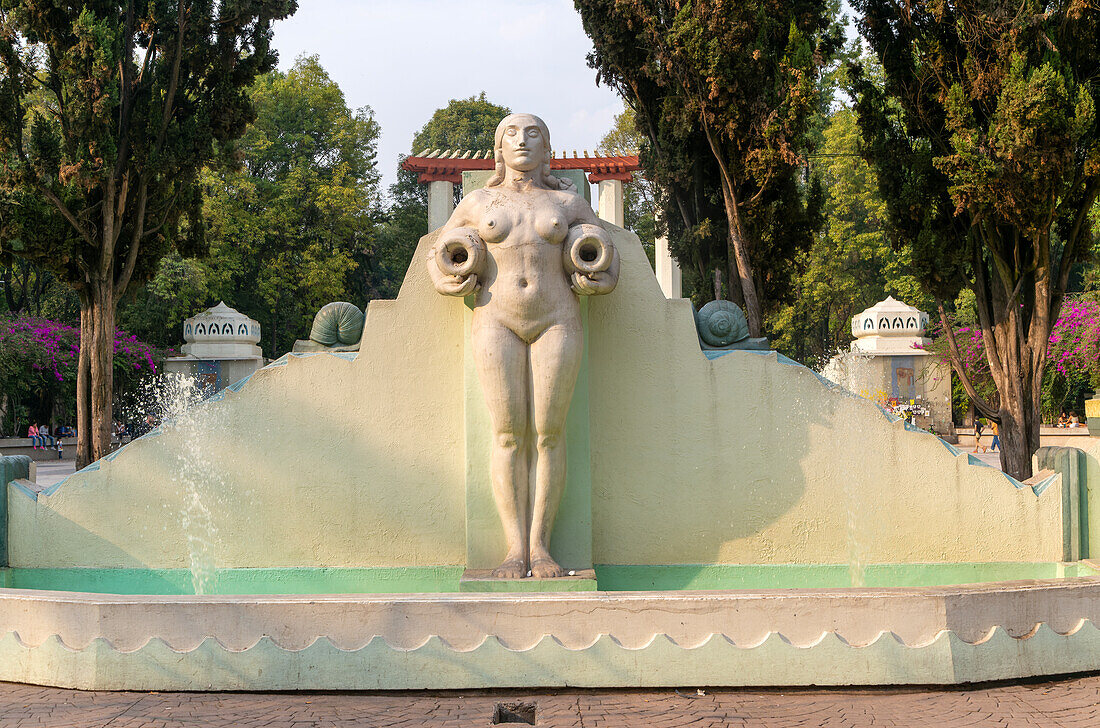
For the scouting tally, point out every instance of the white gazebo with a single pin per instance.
(221, 347)
(890, 361)
(890, 327)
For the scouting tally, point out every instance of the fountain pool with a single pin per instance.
(718, 509)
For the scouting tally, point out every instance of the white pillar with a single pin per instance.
(668, 270)
(441, 203)
(611, 201)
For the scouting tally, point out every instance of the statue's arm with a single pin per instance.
(457, 259)
(590, 258)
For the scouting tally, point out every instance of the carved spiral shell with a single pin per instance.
(337, 323)
(587, 250)
(721, 323)
(460, 252)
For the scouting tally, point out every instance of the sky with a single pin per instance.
(407, 58)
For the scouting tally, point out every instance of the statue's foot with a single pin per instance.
(514, 568)
(545, 567)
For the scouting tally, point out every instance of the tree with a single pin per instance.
(744, 74)
(25, 286)
(155, 312)
(108, 110)
(851, 264)
(461, 124)
(985, 144)
(291, 225)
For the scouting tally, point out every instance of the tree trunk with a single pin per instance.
(83, 385)
(102, 367)
(738, 254)
(1015, 343)
(1019, 386)
(1019, 433)
(741, 267)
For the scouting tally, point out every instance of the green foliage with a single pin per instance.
(38, 362)
(851, 264)
(290, 227)
(985, 143)
(461, 124)
(723, 92)
(155, 313)
(109, 113)
(109, 109)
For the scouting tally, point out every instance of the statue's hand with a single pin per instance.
(456, 285)
(590, 260)
(592, 284)
(456, 261)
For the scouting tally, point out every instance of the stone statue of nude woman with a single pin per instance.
(525, 246)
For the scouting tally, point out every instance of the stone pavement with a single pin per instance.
(52, 471)
(1073, 701)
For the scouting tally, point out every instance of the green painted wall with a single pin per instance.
(443, 579)
(1070, 463)
(476, 179)
(12, 467)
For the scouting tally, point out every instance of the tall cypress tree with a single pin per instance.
(987, 150)
(736, 78)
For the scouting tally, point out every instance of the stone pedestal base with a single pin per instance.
(479, 580)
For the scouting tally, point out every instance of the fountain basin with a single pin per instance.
(899, 635)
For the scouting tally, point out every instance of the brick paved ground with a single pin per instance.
(1049, 704)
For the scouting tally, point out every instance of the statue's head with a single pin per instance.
(522, 142)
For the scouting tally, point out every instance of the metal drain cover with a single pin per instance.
(514, 714)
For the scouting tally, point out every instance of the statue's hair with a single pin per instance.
(554, 183)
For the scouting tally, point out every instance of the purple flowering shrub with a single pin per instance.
(1073, 357)
(1075, 341)
(38, 365)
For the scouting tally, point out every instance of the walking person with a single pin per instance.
(996, 444)
(979, 426)
(60, 449)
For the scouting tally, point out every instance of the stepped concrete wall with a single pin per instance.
(322, 460)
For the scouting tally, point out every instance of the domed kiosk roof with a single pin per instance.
(221, 332)
(890, 326)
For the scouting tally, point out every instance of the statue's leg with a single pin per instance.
(501, 360)
(555, 363)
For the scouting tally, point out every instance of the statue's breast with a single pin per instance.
(496, 224)
(521, 216)
(551, 223)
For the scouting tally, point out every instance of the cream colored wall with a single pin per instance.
(321, 462)
(736, 460)
(1091, 446)
(745, 460)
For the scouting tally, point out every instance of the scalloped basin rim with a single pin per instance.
(610, 578)
(944, 634)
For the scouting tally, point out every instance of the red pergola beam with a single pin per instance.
(438, 169)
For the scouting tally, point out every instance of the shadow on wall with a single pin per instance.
(751, 458)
